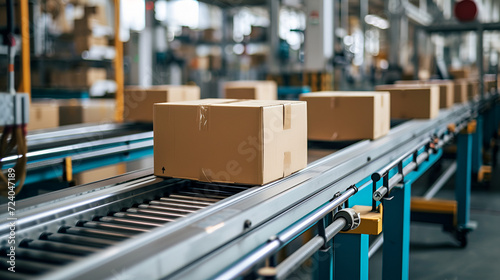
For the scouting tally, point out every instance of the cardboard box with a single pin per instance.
(230, 141)
(461, 91)
(462, 73)
(472, 88)
(83, 43)
(339, 116)
(86, 77)
(446, 90)
(87, 111)
(139, 101)
(101, 173)
(408, 102)
(43, 115)
(262, 90)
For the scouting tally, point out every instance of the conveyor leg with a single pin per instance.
(350, 256)
(463, 178)
(325, 257)
(396, 228)
(477, 145)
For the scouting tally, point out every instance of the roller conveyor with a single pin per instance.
(132, 221)
(90, 146)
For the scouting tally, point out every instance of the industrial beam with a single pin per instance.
(118, 64)
(25, 86)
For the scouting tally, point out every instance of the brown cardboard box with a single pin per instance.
(43, 115)
(97, 13)
(420, 102)
(139, 101)
(100, 173)
(230, 141)
(472, 88)
(461, 88)
(86, 77)
(446, 90)
(87, 111)
(262, 90)
(462, 73)
(83, 43)
(347, 115)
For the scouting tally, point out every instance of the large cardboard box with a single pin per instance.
(139, 101)
(87, 111)
(421, 102)
(338, 116)
(43, 115)
(230, 141)
(446, 90)
(261, 90)
(461, 88)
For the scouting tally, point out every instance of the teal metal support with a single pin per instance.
(350, 257)
(463, 178)
(396, 225)
(477, 144)
(325, 257)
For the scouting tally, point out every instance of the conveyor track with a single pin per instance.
(71, 243)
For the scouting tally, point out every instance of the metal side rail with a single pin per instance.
(88, 147)
(204, 243)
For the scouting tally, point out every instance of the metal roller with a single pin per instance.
(43, 256)
(142, 217)
(165, 208)
(186, 201)
(194, 198)
(177, 205)
(58, 247)
(112, 227)
(78, 240)
(154, 212)
(98, 233)
(30, 267)
(131, 222)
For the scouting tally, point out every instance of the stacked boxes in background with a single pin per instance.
(230, 141)
(460, 89)
(490, 82)
(87, 111)
(138, 102)
(317, 81)
(91, 29)
(446, 90)
(340, 116)
(419, 102)
(262, 90)
(43, 115)
(83, 77)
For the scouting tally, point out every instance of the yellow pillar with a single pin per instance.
(25, 86)
(118, 63)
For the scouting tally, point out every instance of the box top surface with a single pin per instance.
(342, 94)
(407, 87)
(231, 103)
(238, 84)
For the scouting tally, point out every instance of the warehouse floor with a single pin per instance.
(436, 255)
